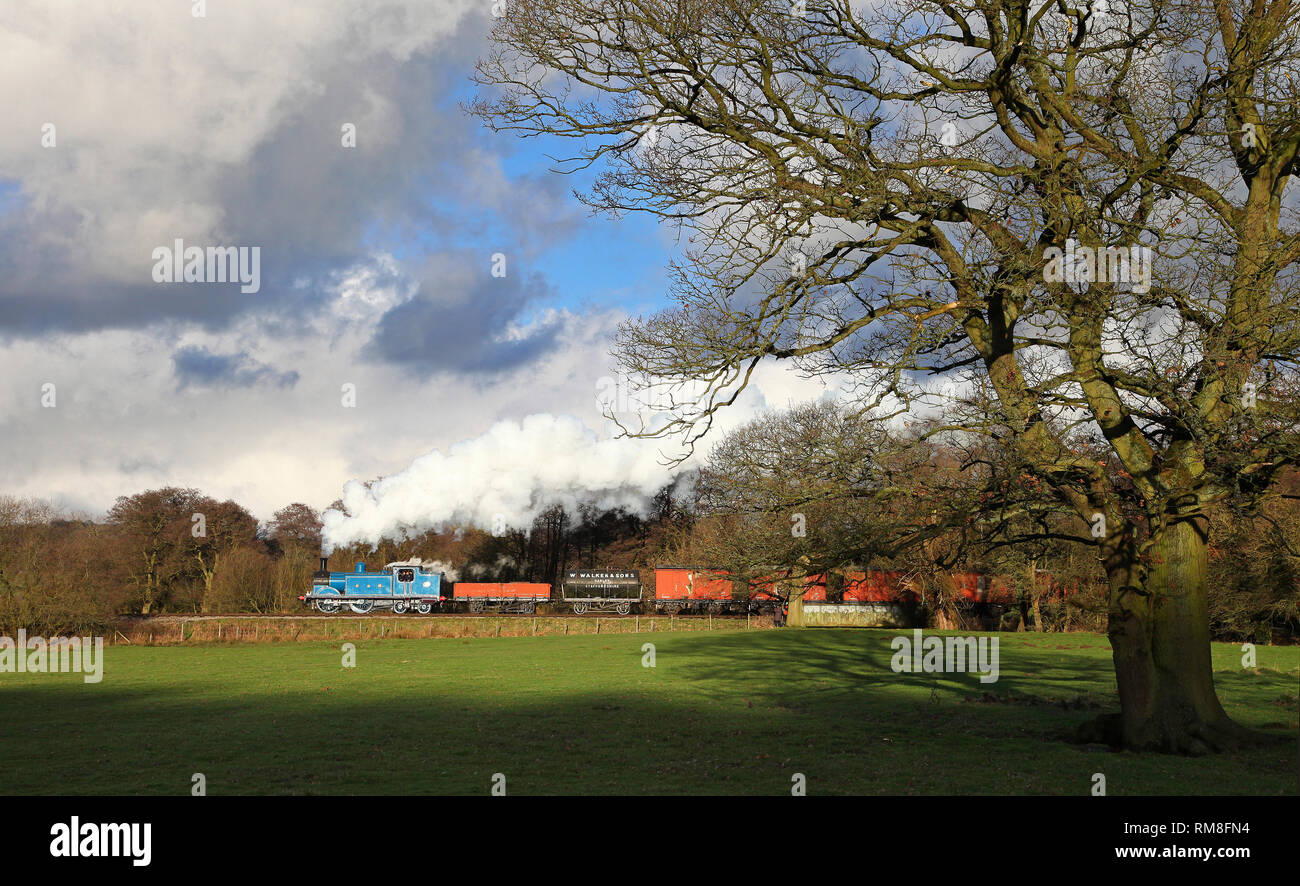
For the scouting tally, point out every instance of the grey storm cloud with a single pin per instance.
(374, 260)
(464, 320)
(75, 247)
(196, 366)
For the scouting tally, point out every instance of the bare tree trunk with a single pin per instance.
(1034, 595)
(205, 605)
(1160, 639)
(795, 599)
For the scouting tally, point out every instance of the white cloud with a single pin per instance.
(153, 107)
(163, 124)
(122, 423)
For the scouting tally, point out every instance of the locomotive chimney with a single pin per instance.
(323, 574)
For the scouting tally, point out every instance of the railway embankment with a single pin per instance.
(172, 630)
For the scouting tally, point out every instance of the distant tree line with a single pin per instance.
(815, 489)
(162, 550)
(174, 550)
(821, 489)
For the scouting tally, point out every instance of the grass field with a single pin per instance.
(722, 712)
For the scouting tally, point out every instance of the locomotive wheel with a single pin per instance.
(579, 608)
(423, 608)
(530, 608)
(327, 606)
(361, 607)
(623, 608)
(476, 607)
(400, 607)
(715, 607)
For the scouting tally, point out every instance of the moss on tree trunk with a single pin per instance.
(1160, 639)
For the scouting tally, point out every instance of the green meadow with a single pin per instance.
(719, 713)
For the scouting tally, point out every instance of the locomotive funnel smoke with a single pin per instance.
(505, 478)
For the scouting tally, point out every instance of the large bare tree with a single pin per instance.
(1082, 207)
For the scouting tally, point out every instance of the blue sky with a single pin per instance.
(375, 260)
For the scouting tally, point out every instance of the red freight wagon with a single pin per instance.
(876, 586)
(814, 590)
(979, 587)
(770, 593)
(763, 596)
(1001, 589)
(513, 596)
(684, 588)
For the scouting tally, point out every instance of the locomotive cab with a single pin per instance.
(401, 587)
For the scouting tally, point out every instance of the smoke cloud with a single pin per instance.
(505, 478)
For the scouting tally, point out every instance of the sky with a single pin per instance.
(378, 334)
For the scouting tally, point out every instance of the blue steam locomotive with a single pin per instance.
(400, 586)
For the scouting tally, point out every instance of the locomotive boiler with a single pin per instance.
(406, 585)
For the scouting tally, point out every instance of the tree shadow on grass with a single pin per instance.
(719, 714)
(862, 658)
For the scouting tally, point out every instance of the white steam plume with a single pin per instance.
(449, 572)
(504, 478)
